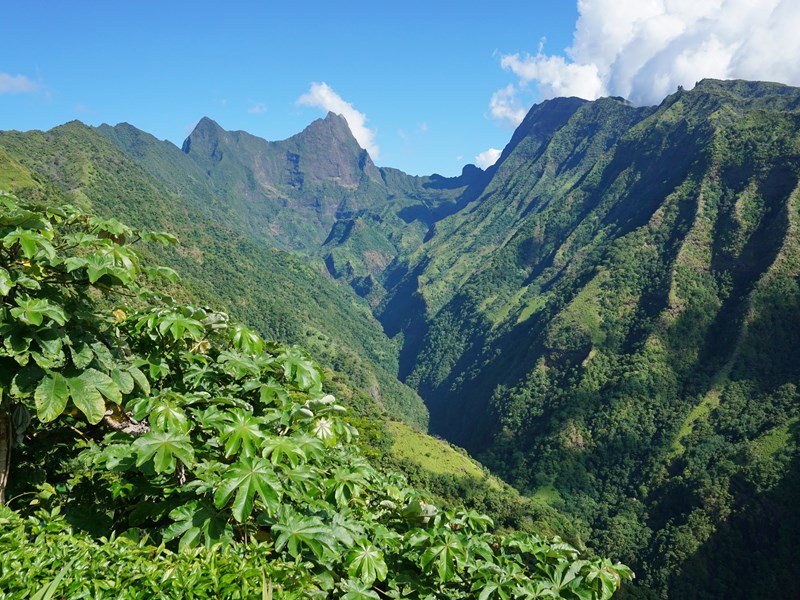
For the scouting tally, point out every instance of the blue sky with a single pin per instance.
(426, 86)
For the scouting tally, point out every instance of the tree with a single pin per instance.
(59, 351)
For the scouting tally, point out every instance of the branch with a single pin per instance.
(119, 420)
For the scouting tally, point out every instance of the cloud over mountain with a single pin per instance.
(643, 50)
(488, 157)
(321, 95)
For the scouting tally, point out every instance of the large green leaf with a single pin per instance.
(193, 522)
(29, 241)
(140, 379)
(123, 380)
(355, 589)
(241, 432)
(98, 265)
(166, 414)
(446, 554)
(366, 562)
(165, 448)
(177, 324)
(248, 477)
(300, 370)
(282, 449)
(87, 391)
(298, 532)
(51, 397)
(6, 283)
(245, 339)
(33, 311)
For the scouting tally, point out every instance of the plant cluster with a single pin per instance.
(195, 435)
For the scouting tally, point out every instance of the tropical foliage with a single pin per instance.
(194, 459)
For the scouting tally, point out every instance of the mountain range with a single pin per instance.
(608, 317)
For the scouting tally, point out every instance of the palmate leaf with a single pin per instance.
(29, 241)
(240, 432)
(445, 555)
(366, 562)
(300, 370)
(162, 273)
(245, 339)
(239, 365)
(298, 532)
(282, 449)
(358, 590)
(163, 238)
(177, 324)
(33, 311)
(197, 521)
(168, 415)
(305, 482)
(272, 390)
(165, 448)
(97, 265)
(51, 397)
(345, 484)
(323, 429)
(248, 477)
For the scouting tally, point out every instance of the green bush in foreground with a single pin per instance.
(211, 460)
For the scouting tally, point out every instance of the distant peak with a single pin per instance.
(206, 129)
(207, 123)
(332, 125)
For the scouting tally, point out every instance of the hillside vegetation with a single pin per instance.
(613, 324)
(149, 426)
(607, 318)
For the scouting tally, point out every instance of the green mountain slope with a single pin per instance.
(608, 317)
(613, 323)
(317, 191)
(286, 298)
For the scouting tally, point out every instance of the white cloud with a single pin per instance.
(16, 84)
(322, 96)
(257, 108)
(505, 105)
(643, 49)
(487, 158)
(555, 76)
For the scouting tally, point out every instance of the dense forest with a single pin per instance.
(607, 317)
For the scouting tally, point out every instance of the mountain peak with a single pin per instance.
(332, 116)
(333, 127)
(207, 122)
(206, 131)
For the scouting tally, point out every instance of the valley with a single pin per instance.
(607, 319)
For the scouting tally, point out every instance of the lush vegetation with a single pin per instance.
(621, 308)
(166, 451)
(607, 317)
(281, 295)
